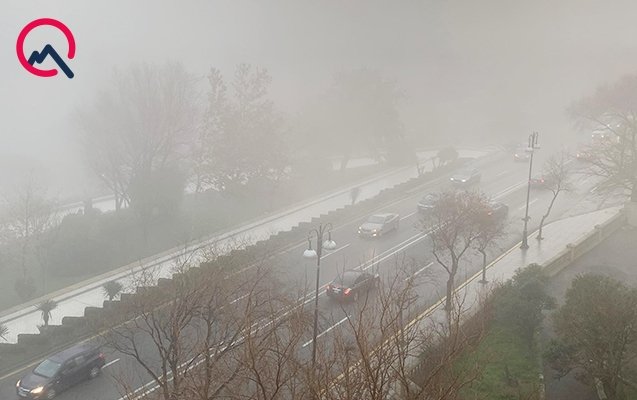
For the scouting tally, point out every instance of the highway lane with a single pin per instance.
(433, 287)
(502, 181)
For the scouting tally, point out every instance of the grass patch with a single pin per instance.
(510, 369)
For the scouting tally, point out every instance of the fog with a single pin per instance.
(479, 71)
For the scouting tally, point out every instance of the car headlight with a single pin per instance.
(374, 230)
(463, 181)
(18, 384)
(37, 390)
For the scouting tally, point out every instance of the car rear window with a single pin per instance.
(376, 219)
(47, 368)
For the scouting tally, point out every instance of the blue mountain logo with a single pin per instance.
(48, 50)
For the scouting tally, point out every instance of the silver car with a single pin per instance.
(379, 224)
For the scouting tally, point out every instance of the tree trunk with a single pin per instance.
(449, 299)
(545, 216)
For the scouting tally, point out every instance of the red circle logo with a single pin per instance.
(39, 56)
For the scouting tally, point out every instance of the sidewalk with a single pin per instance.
(557, 235)
(74, 299)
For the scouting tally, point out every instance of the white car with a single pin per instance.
(379, 224)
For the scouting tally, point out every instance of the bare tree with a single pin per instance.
(454, 225)
(374, 353)
(143, 125)
(613, 109)
(491, 230)
(196, 325)
(242, 138)
(556, 179)
(31, 216)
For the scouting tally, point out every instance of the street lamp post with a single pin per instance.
(525, 233)
(328, 244)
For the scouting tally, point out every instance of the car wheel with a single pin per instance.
(51, 394)
(94, 372)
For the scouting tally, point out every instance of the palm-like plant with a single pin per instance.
(112, 289)
(45, 308)
(4, 331)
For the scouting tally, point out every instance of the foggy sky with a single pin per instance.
(471, 69)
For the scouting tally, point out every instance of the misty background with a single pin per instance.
(474, 72)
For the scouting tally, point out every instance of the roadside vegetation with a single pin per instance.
(509, 348)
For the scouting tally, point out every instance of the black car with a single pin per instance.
(351, 284)
(498, 210)
(61, 371)
(542, 182)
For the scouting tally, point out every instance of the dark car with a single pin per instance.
(61, 371)
(498, 210)
(379, 224)
(351, 284)
(427, 203)
(541, 182)
(466, 177)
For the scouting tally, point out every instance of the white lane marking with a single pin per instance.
(419, 271)
(108, 364)
(502, 173)
(524, 205)
(336, 251)
(416, 239)
(408, 215)
(239, 298)
(509, 190)
(326, 331)
(593, 189)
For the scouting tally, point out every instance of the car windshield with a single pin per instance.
(47, 368)
(376, 219)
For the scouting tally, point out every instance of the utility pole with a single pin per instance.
(525, 233)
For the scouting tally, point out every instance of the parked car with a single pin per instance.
(466, 177)
(351, 284)
(427, 203)
(61, 371)
(379, 224)
(498, 210)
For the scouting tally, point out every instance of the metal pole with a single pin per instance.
(319, 248)
(525, 232)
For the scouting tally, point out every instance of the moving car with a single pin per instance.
(379, 224)
(427, 203)
(498, 210)
(584, 154)
(61, 371)
(466, 177)
(522, 154)
(541, 182)
(351, 284)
